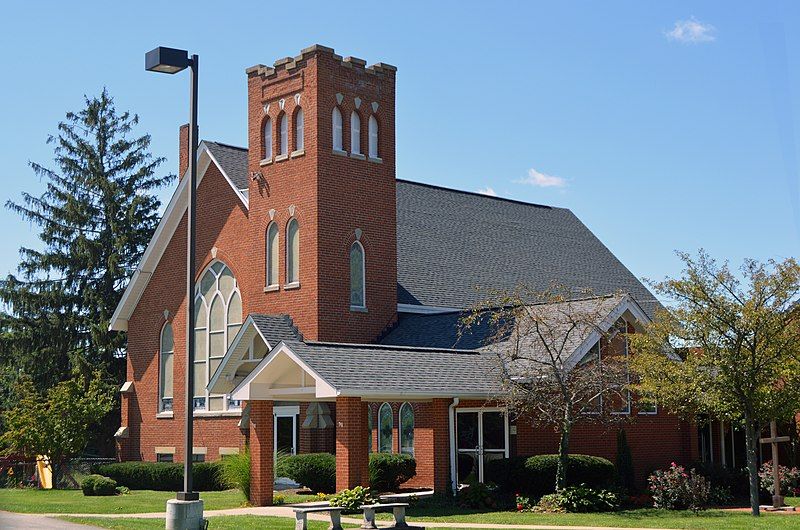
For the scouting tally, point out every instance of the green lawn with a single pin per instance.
(73, 501)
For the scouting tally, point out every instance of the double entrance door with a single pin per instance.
(481, 436)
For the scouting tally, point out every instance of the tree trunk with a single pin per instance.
(563, 455)
(752, 468)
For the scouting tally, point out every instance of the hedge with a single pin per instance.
(163, 476)
(536, 475)
(388, 470)
(317, 471)
(98, 485)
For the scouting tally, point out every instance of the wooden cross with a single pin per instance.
(774, 440)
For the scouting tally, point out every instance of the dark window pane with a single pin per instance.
(467, 427)
(494, 430)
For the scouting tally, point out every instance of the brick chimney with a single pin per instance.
(183, 150)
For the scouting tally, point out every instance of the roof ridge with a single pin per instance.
(223, 144)
(477, 194)
(389, 347)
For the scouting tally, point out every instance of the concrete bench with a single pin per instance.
(398, 509)
(301, 516)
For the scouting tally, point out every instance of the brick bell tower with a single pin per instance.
(336, 181)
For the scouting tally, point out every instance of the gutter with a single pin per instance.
(453, 460)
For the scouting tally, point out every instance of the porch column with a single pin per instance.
(262, 475)
(352, 453)
(440, 426)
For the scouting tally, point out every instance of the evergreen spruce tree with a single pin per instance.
(95, 217)
(625, 463)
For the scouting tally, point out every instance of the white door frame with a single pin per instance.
(291, 411)
(479, 451)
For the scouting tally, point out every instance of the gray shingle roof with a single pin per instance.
(453, 246)
(276, 328)
(392, 370)
(436, 331)
(233, 161)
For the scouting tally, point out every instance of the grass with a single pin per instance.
(232, 522)
(137, 501)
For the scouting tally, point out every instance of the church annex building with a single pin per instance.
(329, 294)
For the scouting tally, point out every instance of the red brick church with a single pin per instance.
(329, 294)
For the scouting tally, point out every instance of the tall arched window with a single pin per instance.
(218, 317)
(272, 254)
(292, 251)
(357, 276)
(284, 124)
(407, 429)
(370, 427)
(166, 360)
(336, 121)
(267, 138)
(355, 133)
(299, 143)
(385, 426)
(373, 137)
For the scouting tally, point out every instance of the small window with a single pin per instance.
(299, 143)
(336, 120)
(272, 254)
(166, 360)
(385, 427)
(407, 429)
(284, 147)
(267, 138)
(373, 137)
(165, 457)
(197, 457)
(355, 133)
(292, 252)
(357, 280)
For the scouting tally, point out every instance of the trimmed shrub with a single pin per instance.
(388, 470)
(625, 472)
(536, 475)
(578, 499)
(162, 476)
(351, 499)
(316, 471)
(99, 486)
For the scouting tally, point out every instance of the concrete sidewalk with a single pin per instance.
(286, 511)
(25, 521)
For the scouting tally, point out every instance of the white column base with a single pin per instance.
(184, 515)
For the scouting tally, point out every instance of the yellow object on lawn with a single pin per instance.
(45, 473)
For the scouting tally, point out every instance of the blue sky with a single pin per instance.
(663, 126)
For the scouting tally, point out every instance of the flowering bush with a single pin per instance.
(675, 489)
(351, 499)
(789, 477)
(523, 503)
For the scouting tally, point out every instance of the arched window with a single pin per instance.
(385, 426)
(292, 251)
(218, 317)
(272, 254)
(370, 427)
(357, 276)
(373, 137)
(166, 359)
(355, 133)
(284, 123)
(407, 429)
(267, 138)
(299, 143)
(336, 120)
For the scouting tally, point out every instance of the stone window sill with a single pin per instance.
(298, 153)
(220, 413)
(265, 162)
(358, 309)
(375, 160)
(290, 286)
(358, 156)
(271, 288)
(339, 152)
(281, 158)
(165, 415)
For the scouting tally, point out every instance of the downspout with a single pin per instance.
(453, 460)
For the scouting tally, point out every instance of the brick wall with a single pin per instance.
(262, 463)
(352, 457)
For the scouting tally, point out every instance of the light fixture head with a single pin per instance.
(166, 60)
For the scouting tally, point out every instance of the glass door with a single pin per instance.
(286, 433)
(481, 436)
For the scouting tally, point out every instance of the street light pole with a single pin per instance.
(186, 511)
